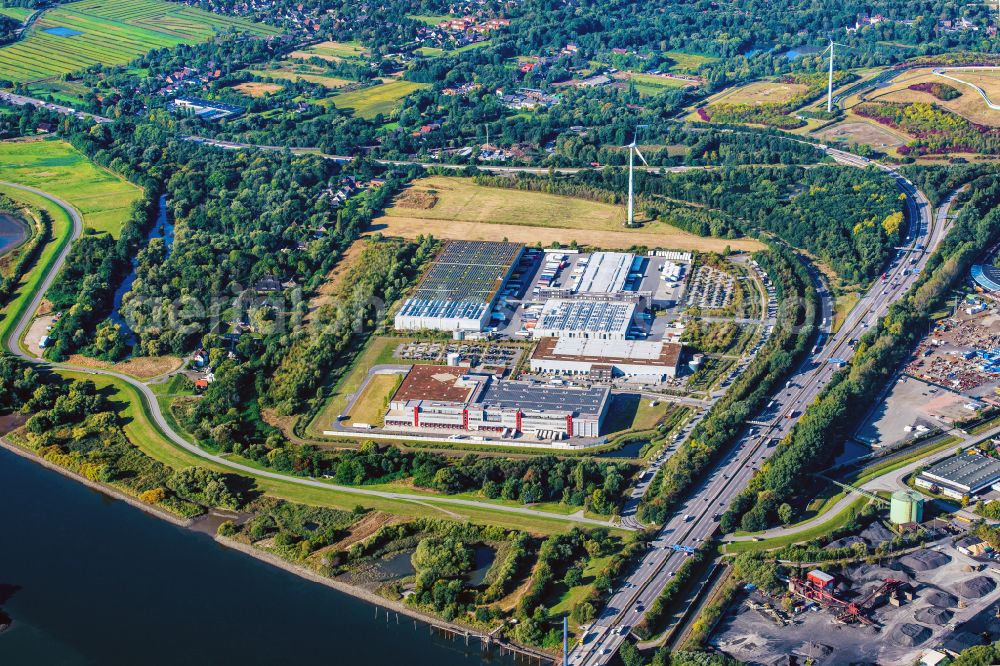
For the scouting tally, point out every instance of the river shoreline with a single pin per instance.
(266, 557)
(27, 232)
(105, 489)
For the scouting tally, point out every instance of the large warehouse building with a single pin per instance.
(601, 320)
(987, 276)
(460, 289)
(605, 273)
(435, 398)
(961, 477)
(601, 360)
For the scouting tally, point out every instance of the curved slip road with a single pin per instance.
(13, 345)
(982, 93)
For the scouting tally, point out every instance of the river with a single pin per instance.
(12, 232)
(162, 228)
(100, 582)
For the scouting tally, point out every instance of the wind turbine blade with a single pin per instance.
(640, 156)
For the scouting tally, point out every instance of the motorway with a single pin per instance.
(695, 521)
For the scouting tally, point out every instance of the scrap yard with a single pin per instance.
(936, 598)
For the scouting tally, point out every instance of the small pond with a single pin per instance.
(482, 561)
(62, 32)
(12, 232)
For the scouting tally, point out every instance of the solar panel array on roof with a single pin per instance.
(468, 271)
(460, 286)
(601, 319)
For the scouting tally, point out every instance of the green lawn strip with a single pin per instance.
(892, 465)
(430, 19)
(985, 425)
(570, 597)
(556, 508)
(103, 198)
(820, 530)
(867, 475)
(61, 226)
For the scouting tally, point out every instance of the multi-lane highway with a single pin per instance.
(697, 519)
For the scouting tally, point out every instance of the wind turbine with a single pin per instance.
(633, 150)
(829, 86)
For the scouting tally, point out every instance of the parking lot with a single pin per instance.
(710, 288)
(488, 354)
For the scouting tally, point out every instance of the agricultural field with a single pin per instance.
(382, 98)
(290, 70)
(969, 104)
(452, 207)
(333, 51)
(762, 92)
(59, 169)
(93, 32)
(16, 13)
(257, 89)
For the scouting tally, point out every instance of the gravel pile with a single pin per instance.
(934, 615)
(924, 560)
(876, 533)
(910, 635)
(845, 542)
(870, 573)
(814, 651)
(976, 588)
(941, 599)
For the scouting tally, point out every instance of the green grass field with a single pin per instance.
(61, 170)
(382, 98)
(687, 63)
(61, 225)
(835, 523)
(16, 13)
(70, 93)
(290, 70)
(332, 51)
(111, 33)
(429, 19)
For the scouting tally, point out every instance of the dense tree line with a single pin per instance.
(26, 256)
(749, 392)
(385, 271)
(818, 436)
(84, 290)
(850, 218)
